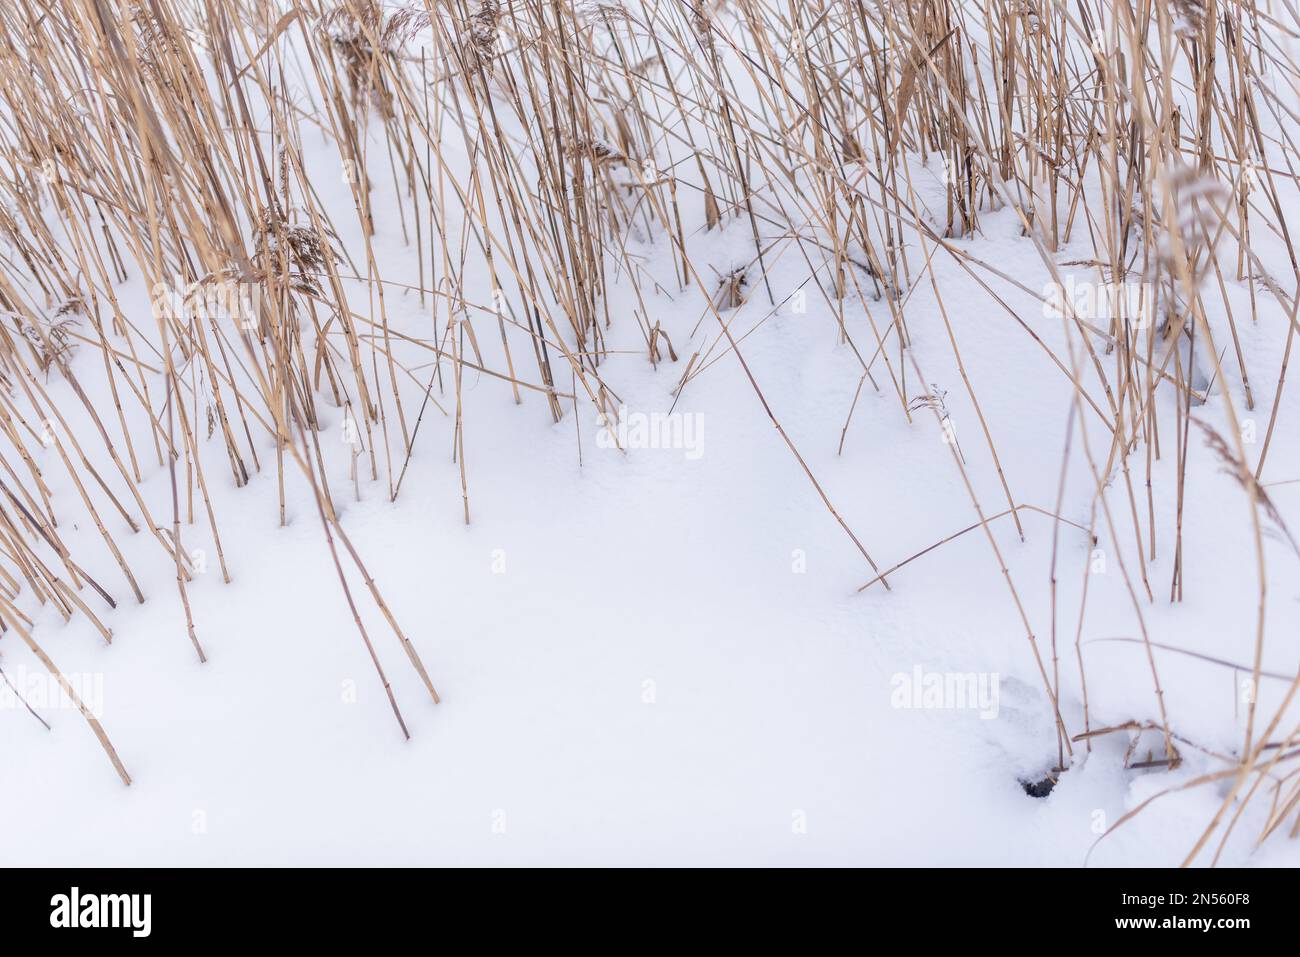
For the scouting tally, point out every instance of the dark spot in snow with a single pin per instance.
(1040, 788)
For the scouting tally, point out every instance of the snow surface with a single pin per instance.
(651, 678)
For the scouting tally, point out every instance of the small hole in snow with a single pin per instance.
(1040, 788)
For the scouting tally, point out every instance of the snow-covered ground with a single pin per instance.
(652, 658)
(661, 656)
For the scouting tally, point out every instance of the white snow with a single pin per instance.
(659, 657)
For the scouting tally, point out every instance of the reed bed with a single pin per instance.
(193, 284)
